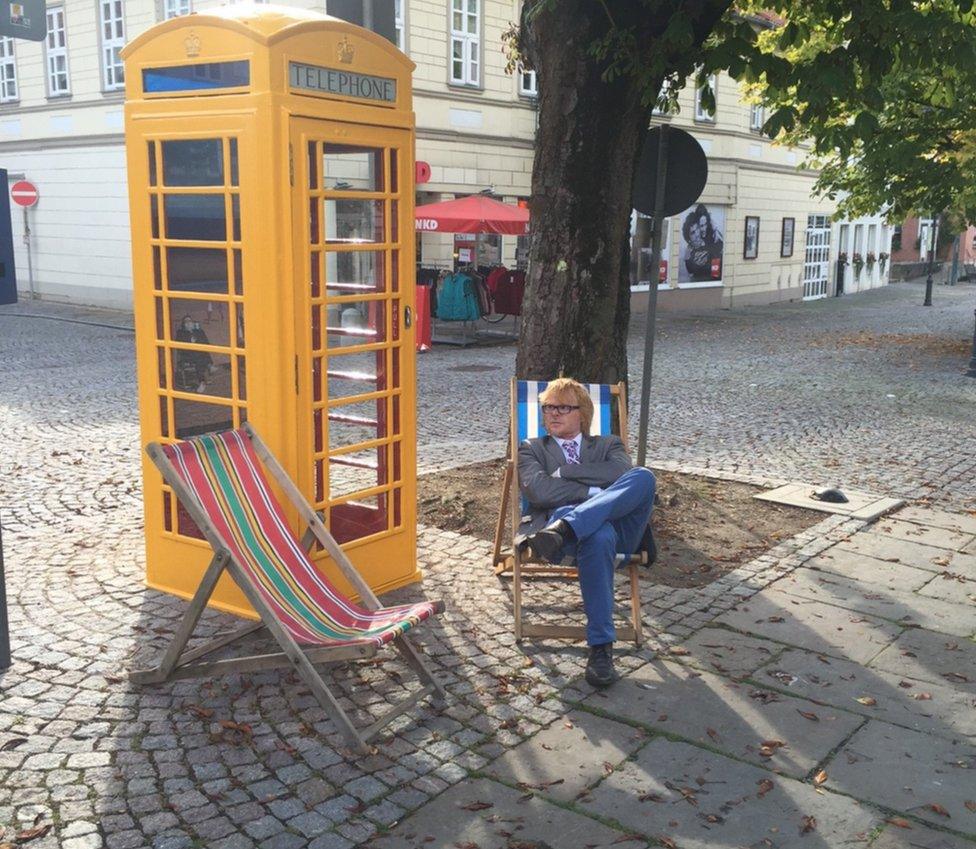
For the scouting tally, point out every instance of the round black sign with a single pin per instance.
(687, 172)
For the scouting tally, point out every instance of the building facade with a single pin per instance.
(757, 234)
(863, 258)
(912, 244)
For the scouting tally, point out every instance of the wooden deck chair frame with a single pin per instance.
(177, 663)
(518, 564)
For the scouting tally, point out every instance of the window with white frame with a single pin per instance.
(176, 8)
(56, 46)
(8, 71)
(112, 21)
(662, 95)
(701, 113)
(399, 25)
(466, 42)
(757, 117)
(527, 83)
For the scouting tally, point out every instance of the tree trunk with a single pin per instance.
(577, 296)
(591, 130)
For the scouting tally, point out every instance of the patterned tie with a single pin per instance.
(572, 452)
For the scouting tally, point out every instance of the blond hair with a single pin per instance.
(563, 386)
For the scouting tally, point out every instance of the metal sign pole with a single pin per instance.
(30, 266)
(928, 280)
(662, 172)
(4, 627)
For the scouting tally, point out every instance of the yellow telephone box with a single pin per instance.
(271, 165)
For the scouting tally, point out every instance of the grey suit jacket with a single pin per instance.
(603, 459)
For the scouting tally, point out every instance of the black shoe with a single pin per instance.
(548, 542)
(648, 545)
(599, 668)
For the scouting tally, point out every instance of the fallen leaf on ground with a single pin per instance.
(898, 822)
(33, 833)
(938, 809)
(667, 842)
(808, 824)
(808, 714)
(477, 806)
(820, 777)
(765, 785)
(769, 747)
(870, 701)
(202, 712)
(922, 697)
(678, 651)
(971, 805)
(711, 732)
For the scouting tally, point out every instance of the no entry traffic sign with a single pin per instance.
(24, 193)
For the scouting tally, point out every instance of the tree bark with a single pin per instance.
(577, 306)
(590, 133)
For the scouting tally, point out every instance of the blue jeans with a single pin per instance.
(611, 522)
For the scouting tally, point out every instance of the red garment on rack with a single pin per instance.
(498, 273)
(508, 295)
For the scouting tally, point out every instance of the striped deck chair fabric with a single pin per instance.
(530, 411)
(226, 477)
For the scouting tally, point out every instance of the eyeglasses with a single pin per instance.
(562, 409)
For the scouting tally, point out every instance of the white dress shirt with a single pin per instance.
(578, 439)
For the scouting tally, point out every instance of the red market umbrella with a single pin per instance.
(473, 214)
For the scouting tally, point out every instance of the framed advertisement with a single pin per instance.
(750, 244)
(786, 238)
(702, 246)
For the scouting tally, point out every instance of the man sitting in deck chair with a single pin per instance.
(586, 500)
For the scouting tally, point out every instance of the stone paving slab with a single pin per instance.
(923, 705)
(914, 554)
(912, 532)
(918, 837)
(726, 652)
(489, 815)
(928, 656)
(859, 505)
(951, 587)
(871, 570)
(701, 800)
(570, 755)
(964, 523)
(887, 602)
(908, 771)
(811, 625)
(724, 715)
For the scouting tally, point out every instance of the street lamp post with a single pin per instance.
(972, 359)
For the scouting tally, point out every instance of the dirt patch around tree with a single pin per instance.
(703, 527)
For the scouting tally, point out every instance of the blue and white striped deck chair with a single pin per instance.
(526, 418)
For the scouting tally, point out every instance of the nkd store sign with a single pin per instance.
(347, 83)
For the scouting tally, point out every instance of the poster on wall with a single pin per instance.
(702, 244)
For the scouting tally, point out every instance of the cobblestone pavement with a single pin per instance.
(862, 391)
(108, 764)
